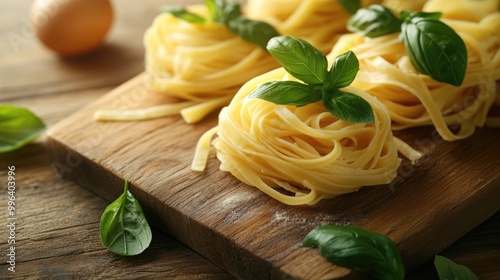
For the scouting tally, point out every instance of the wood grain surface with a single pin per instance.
(429, 206)
(58, 220)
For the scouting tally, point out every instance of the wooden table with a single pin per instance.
(57, 231)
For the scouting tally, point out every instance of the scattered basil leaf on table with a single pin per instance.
(306, 63)
(364, 251)
(449, 270)
(253, 31)
(124, 228)
(351, 6)
(18, 127)
(434, 48)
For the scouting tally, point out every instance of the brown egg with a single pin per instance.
(71, 27)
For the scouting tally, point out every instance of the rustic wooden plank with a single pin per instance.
(45, 197)
(57, 233)
(58, 229)
(245, 232)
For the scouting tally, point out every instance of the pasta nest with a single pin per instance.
(203, 61)
(320, 22)
(299, 155)
(414, 99)
(200, 61)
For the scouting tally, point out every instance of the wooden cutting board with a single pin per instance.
(454, 188)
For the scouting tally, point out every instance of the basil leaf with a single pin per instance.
(435, 49)
(351, 6)
(299, 58)
(286, 93)
(448, 270)
(215, 9)
(347, 106)
(253, 31)
(361, 250)
(229, 14)
(124, 228)
(405, 15)
(231, 11)
(374, 21)
(343, 71)
(184, 14)
(18, 127)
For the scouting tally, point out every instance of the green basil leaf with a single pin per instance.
(347, 106)
(435, 49)
(124, 228)
(449, 270)
(18, 127)
(223, 12)
(231, 11)
(406, 16)
(299, 58)
(351, 6)
(374, 21)
(215, 9)
(364, 251)
(253, 31)
(212, 9)
(183, 14)
(287, 93)
(343, 71)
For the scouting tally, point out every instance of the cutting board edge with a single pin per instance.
(488, 197)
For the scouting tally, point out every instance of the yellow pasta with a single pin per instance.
(201, 63)
(188, 59)
(299, 155)
(319, 22)
(407, 5)
(206, 63)
(413, 99)
(469, 10)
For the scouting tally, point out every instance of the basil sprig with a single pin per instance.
(447, 269)
(435, 49)
(306, 63)
(124, 228)
(18, 127)
(364, 251)
(254, 31)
